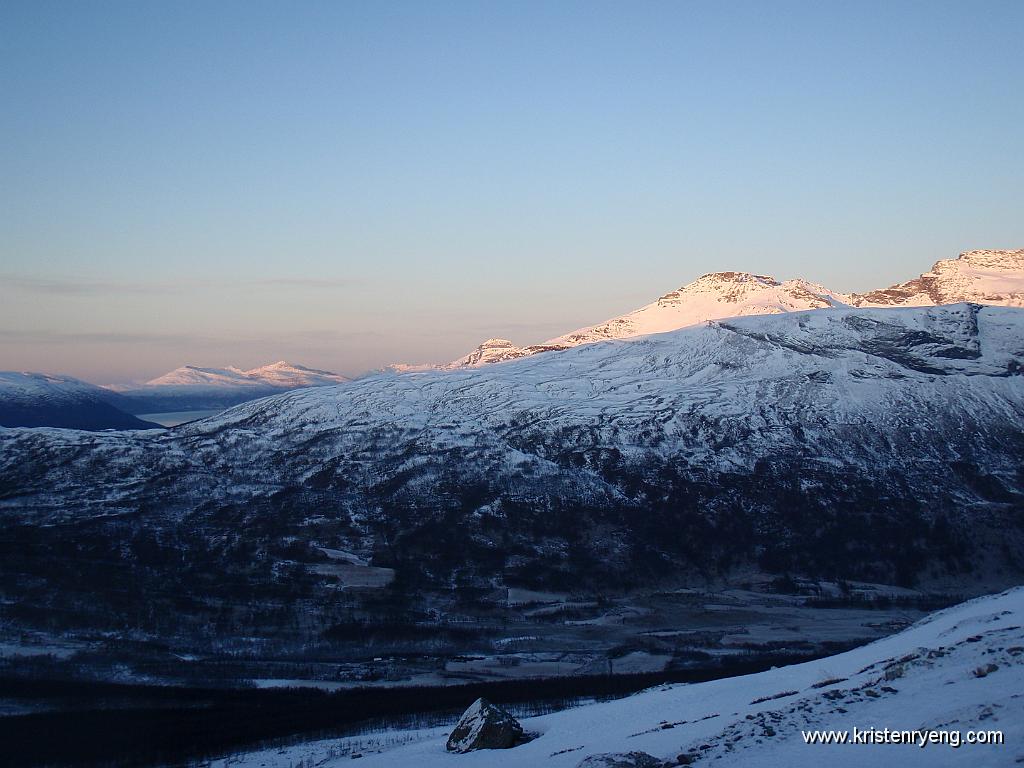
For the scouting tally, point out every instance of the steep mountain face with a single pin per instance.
(982, 277)
(877, 444)
(191, 387)
(39, 400)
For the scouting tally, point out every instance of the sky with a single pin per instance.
(350, 184)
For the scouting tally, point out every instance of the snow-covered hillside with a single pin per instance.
(982, 277)
(959, 670)
(41, 400)
(872, 445)
(912, 418)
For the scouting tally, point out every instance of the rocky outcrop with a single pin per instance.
(484, 726)
(622, 760)
(491, 351)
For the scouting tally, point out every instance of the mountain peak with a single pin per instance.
(994, 259)
(496, 343)
(291, 376)
(981, 276)
(723, 278)
(730, 286)
(712, 296)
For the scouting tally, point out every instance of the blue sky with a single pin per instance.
(351, 184)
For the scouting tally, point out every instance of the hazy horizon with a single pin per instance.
(346, 186)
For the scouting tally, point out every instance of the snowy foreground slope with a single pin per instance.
(958, 670)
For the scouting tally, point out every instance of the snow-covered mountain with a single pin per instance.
(982, 277)
(288, 376)
(279, 375)
(711, 297)
(194, 376)
(866, 444)
(191, 387)
(41, 400)
(880, 444)
(959, 671)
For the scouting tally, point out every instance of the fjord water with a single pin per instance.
(174, 418)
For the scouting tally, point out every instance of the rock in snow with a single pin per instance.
(484, 726)
(622, 760)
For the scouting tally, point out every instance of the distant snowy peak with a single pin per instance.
(983, 277)
(190, 375)
(287, 375)
(279, 375)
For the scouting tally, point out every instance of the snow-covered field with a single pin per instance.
(958, 670)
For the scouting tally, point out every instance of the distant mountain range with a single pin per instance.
(993, 277)
(40, 400)
(193, 388)
(279, 375)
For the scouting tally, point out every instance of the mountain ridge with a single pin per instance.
(982, 276)
(281, 374)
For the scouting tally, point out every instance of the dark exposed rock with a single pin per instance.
(484, 726)
(622, 760)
